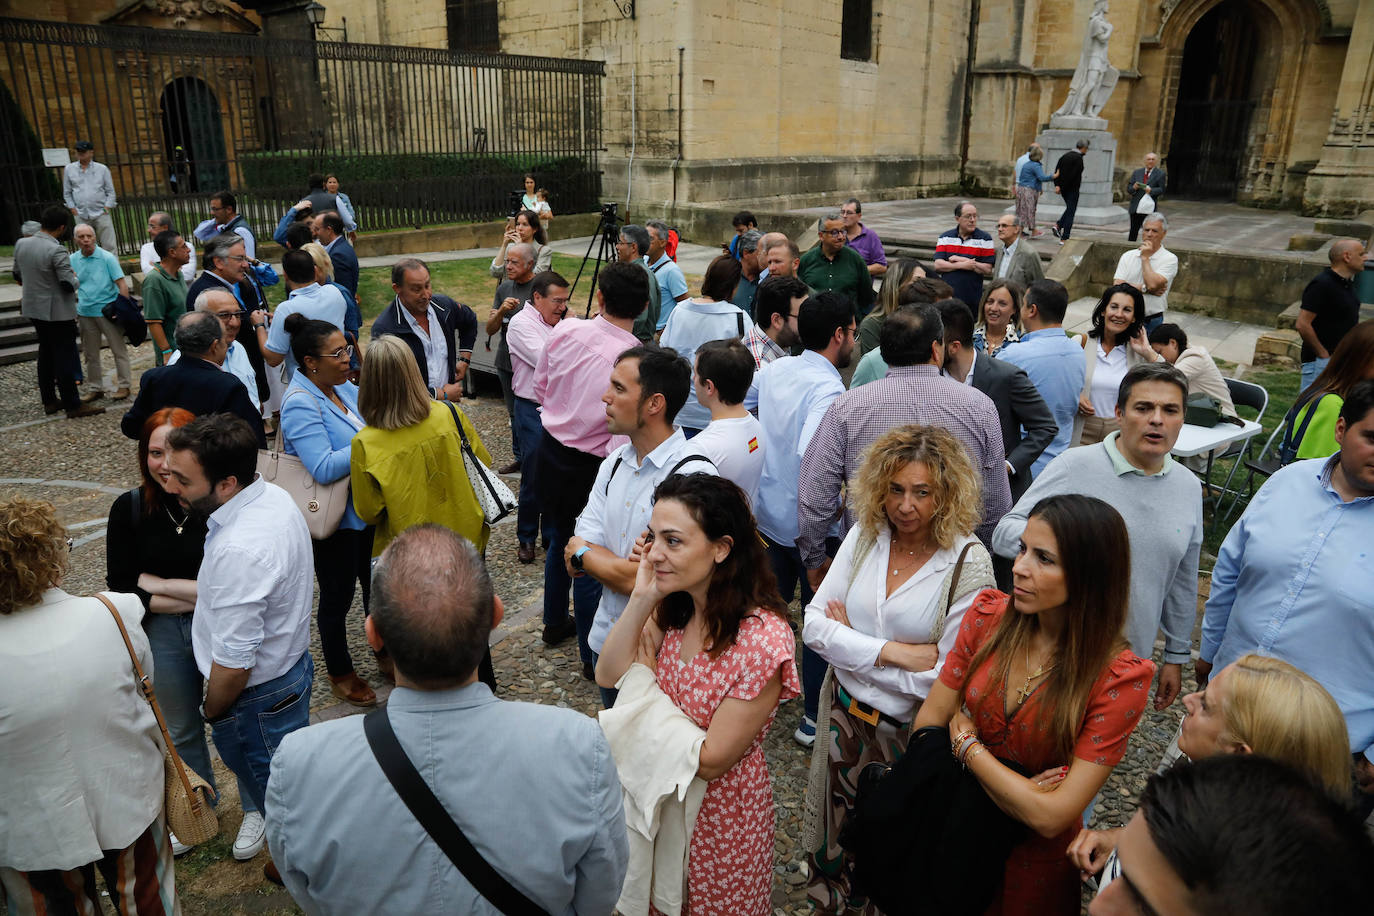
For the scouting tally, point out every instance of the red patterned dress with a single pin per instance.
(1039, 880)
(730, 862)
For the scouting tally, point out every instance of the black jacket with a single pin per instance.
(1156, 184)
(455, 319)
(1019, 406)
(252, 298)
(1069, 168)
(194, 384)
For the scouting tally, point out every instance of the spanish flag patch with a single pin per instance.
(753, 445)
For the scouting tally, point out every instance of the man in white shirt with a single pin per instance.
(324, 303)
(251, 629)
(528, 332)
(158, 223)
(648, 387)
(1151, 268)
(733, 440)
(88, 191)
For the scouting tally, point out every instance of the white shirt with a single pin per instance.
(910, 614)
(618, 510)
(436, 348)
(691, 324)
(1163, 262)
(1107, 375)
(147, 258)
(1007, 254)
(236, 364)
(256, 585)
(735, 446)
(526, 337)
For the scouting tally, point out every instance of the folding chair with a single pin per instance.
(1264, 464)
(1243, 394)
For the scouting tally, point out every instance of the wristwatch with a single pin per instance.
(576, 560)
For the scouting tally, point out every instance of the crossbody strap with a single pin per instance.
(1292, 441)
(954, 580)
(429, 811)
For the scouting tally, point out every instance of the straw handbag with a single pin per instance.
(187, 797)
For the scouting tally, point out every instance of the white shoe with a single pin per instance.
(805, 735)
(252, 836)
(178, 848)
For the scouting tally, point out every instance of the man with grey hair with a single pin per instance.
(558, 834)
(1151, 268)
(672, 285)
(159, 222)
(102, 281)
(631, 247)
(227, 266)
(1330, 307)
(863, 239)
(1147, 181)
(750, 268)
(833, 265)
(964, 255)
(1068, 181)
(88, 191)
(226, 309)
(511, 295)
(1016, 258)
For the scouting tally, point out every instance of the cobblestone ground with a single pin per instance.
(81, 465)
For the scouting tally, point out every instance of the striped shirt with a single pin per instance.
(762, 347)
(967, 284)
(857, 418)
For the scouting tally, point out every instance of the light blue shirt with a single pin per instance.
(534, 788)
(314, 301)
(692, 324)
(321, 434)
(871, 368)
(1295, 580)
(671, 284)
(1054, 363)
(98, 275)
(618, 509)
(792, 394)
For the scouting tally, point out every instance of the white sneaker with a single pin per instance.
(178, 848)
(252, 836)
(805, 735)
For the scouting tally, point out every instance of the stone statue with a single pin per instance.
(1095, 78)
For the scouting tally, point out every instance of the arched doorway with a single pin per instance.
(193, 135)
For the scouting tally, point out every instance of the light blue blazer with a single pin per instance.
(316, 432)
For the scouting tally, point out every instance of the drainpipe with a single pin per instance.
(630, 166)
(680, 49)
(974, 6)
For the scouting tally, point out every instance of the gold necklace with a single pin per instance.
(1025, 690)
(175, 524)
(897, 570)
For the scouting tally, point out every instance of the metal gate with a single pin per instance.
(416, 136)
(1208, 149)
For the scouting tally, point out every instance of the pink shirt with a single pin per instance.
(573, 373)
(525, 337)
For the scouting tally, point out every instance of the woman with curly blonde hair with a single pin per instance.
(884, 618)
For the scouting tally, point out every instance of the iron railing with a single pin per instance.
(417, 136)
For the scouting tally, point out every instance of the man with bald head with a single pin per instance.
(159, 222)
(1330, 306)
(1147, 181)
(558, 832)
(511, 295)
(832, 265)
(101, 281)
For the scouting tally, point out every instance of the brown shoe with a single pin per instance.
(269, 871)
(121, 394)
(512, 468)
(51, 407)
(352, 690)
(93, 395)
(85, 410)
(525, 554)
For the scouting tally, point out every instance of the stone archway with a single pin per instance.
(1261, 87)
(193, 134)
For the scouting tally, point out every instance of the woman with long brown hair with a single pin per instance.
(1048, 681)
(1116, 344)
(705, 615)
(999, 317)
(1351, 363)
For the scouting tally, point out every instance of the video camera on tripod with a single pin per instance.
(608, 233)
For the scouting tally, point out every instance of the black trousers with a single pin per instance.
(1137, 220)
(341, 560)
(1065, 221)
(58, 362)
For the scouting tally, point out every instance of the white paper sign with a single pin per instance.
(56, 157)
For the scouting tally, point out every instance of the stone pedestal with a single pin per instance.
(1095, 207)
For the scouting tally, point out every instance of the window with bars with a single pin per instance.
(473, 25)
(856, 30)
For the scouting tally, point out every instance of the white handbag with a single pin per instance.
(322, 504)
(1146, 204)
(495, 498)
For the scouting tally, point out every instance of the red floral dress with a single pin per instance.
(730, 861)
(1039, 880)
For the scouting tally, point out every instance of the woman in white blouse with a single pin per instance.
(1116, 343)
(884, 618)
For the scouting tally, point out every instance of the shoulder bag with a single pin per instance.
(441, 827)
(186, 797)
(1292, 439)
(322, 504)
(495, 498)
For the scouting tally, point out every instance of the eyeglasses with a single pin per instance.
(341, 353)
(832, 232)
(237, 257)
(560, 300)
(230, 316)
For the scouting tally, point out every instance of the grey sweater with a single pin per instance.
(1163, 514)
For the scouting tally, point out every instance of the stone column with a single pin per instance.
(1342, 183)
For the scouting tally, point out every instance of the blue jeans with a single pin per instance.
(248, 735)
(179, 687)
(586, 593)
(789, 571)
(529, 521)
(608, 694)
(1311, 370)
(508, 393)
(1153, 322)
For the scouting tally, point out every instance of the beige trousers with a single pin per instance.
(92, 330)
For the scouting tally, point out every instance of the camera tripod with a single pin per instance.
(607, 234)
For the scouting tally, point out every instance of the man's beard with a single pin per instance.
(203, 506)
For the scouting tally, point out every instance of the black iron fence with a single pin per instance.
(416, 136)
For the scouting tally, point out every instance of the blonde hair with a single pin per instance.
(1281, 712)
(33, 552)
(321, 258)
(958, 494)
(391, 394)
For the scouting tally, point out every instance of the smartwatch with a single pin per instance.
(576, 560)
